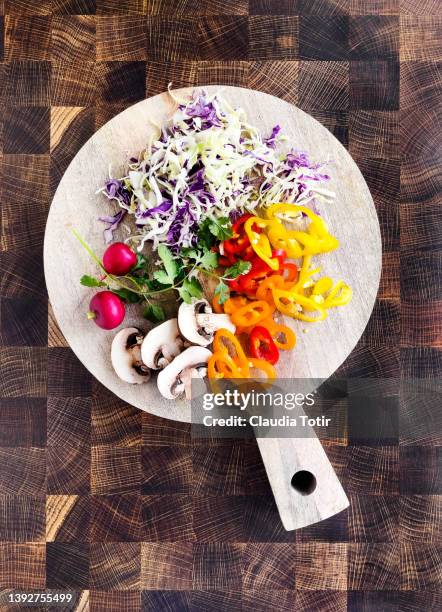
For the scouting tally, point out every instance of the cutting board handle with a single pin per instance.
(303, 481)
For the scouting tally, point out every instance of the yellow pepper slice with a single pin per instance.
(260, 242)
(295, 305)
(281, 238)
(316, 240)
(323, 285)
(304, 274)
(293, 210)
(340, 295)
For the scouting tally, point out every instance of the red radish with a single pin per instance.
(106, 309)
(119, 259)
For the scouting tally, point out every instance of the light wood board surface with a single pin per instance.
(351, 217)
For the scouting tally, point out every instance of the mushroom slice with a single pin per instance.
(161, 345)
(126, 356)
(198, 324)
(176, 378)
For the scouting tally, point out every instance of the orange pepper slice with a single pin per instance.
(277, 330)
(264, 366)
(234, 303)
(252, 313)
(264, 291)
(226, 343)
(221, 365)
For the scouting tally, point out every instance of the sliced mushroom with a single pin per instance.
(198, 324)
(161, 345)
(176, 378)
(126, 356)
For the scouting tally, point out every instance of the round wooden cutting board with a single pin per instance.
(351, 217)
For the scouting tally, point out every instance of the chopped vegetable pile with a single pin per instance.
(214, 198)
(207, 163)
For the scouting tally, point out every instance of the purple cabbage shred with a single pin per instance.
(271, 140)
(116, 189)
(112, 224)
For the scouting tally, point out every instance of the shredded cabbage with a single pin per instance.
(208, 161)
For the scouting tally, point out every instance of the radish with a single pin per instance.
(106, 309)
(119, 259)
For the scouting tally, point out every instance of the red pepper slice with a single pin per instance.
(239, 241)
(239, 223)
(279, 254)
(225, 261)
(235, 246)
(262, 346)
(248, 283)
(289, 271)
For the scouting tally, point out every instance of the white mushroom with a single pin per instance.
(198, 324)
(126, 356)
(161, 345)
(176, 378)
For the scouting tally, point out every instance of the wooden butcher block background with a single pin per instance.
(123, 507)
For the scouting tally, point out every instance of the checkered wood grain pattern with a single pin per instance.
(122, 506)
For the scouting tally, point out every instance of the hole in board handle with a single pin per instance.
(304, 482)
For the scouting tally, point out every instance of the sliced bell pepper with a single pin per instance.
(238, 226)
(281, 238)
(323, 285)
(259, 241)
(262, 346)
(225, 261)
(252, 313)
(340, 295)
(235, 246)
(238, 244)
(234, 303)
(305, 273)
(295, 305)
(264, 366)
(227, 343)
(291, 271)
(315, 240)
(283, 336)
(264, 291)
(221, 365)
(248, 283)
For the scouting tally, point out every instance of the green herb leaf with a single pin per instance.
(189, 252)
(205, 236)
(127, 295)
(141, 263)
(154, 313)
(202, 256)
(239, 268)
(170, 264)
(209, 260)
(221, 228)
(191, 288)
(90, 281)
(222, 291)
(162, 277)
